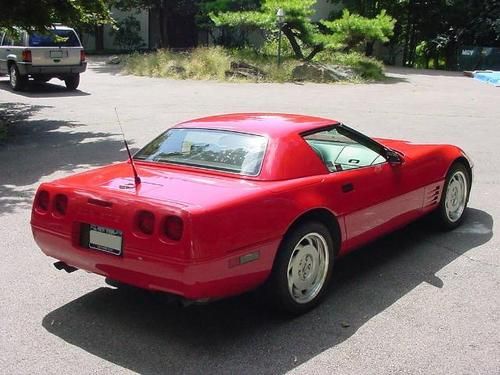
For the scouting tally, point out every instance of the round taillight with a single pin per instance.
(61, 204)
(42, 200)
(145, 222)
(173, 227)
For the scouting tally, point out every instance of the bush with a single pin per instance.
(127, 35)
(214, 62)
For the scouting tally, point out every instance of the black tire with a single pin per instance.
(444, 217)
(277, 290)
(42, 79)
(16, 80)
(72, 82)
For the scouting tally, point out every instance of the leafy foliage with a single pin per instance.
(298, 28)
(434, 29)
(40, 14)
(127, 35)
(352, 30)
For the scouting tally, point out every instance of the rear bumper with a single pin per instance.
(208, 279)
(26, 68)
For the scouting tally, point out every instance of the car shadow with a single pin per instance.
(40, 89)
(142, 332)
(38, 147)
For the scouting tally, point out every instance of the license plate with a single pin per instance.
(56, 54)
(105, 239)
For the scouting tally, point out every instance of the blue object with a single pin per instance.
(491, 77)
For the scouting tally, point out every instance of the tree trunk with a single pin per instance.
(99, 38)
(293, 42)
(318, 48)
(369, 49)
(162, 19)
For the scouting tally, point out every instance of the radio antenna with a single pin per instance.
(137, 179)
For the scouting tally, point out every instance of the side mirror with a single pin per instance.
(392, 157)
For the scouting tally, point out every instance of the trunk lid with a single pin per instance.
(179, 188)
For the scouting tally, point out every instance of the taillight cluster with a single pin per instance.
(82, 56)
(171, 227)
(26, 55)
(59, 205)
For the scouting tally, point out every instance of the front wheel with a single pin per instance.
(72, 81)
(16, 80)
(302, 269)
(454, 197)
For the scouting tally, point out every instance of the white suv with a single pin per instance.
(55, 54)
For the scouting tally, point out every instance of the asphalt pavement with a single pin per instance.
(415, 302)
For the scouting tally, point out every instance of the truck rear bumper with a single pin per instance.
(59, 70)
(208, 279)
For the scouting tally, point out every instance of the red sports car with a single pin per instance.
(225, 204)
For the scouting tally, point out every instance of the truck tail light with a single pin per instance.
(173, 226)
(42, 201)
(145, 222)
(61, 204)
(26, 55)
(82, 56)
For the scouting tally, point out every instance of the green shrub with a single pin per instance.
(214, 62)
(208, 63)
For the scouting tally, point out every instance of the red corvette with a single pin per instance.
(225, 204)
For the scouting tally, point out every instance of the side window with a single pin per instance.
(339, 151)
(18, 39)
(6, 40)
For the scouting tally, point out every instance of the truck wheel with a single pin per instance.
(72, 82)
(302, 269)
(16, 80)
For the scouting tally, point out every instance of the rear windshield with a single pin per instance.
(55, 38)
(212, 149)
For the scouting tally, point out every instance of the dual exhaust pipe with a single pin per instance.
(63, 266)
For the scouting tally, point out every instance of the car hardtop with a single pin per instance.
(271, 125)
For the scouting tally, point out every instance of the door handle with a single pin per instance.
(347, 187)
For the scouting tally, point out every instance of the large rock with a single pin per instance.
(318, 72)
(241, 69)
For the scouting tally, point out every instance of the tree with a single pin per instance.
(127, 34)
(41, 14)
(167, 12)
(300, 31)
(353, 31)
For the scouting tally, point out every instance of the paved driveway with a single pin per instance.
(414, 302)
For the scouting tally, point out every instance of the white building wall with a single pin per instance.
(142, 15)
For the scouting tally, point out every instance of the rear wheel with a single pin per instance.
(16, 80)
(454, 198)
(72, 81)
(302, 269)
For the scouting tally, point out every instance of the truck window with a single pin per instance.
(55, 38)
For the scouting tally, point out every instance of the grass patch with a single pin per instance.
(212, 63)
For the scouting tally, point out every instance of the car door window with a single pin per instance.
(339, 151)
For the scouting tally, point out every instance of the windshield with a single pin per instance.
(55, 38)
(212, 149)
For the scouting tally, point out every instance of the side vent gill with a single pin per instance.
(432, 195)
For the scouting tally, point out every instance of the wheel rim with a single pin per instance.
(456, 196)
(13, 76)
(308, 267)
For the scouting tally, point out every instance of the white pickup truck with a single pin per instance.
(58, 53)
